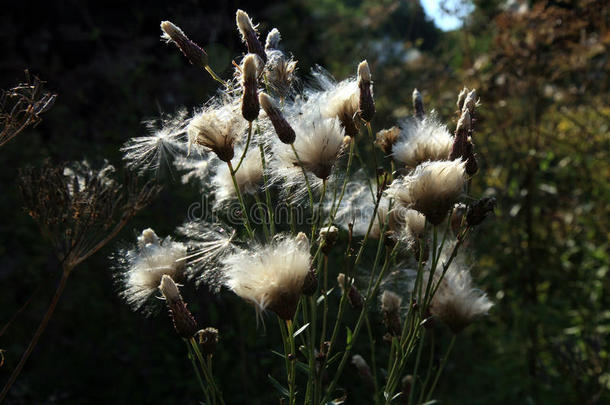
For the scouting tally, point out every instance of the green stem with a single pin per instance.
(440, 368)
(309, 192)
(373, 359)
(244, 213)
(267, 192)
(243, 155)
(215, 76)
(191, 356)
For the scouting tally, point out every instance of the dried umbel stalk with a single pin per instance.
(80, 209)
(249, 101)
(21, 107)
(282, 128)
(183, 320)
(194, 53)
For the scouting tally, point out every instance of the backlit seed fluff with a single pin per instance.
(342, 101)
(390, 308)
(248, 177)
(319, 144)
(146, 264)
(422, 140)
(461, 98)
(386, 138)
(431, 189)
(270, 276)
(249, 102)
(366, 104)
(217, 129)
(456, 302)
(282, 128)
(470, 102)
(273, 39)
(249, 34)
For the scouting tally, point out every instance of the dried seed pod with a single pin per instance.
(183, 320)
(386, 138)
(249, 34)
(310, 284)
(208, 339)
(418, 105)
(249, 103)
(353, 296)
(194, 53)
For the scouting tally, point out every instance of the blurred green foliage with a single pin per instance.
(542, 139)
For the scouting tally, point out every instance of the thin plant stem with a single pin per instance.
(429, 372)
(41, 327)
(215, 76)
(207, 373)
(370, 131)
(267, 192)
(241, 201)
(291, 345)
(415, 369)
(191, 356)
(373, 359)
(440, 368)
(261, 208)
(243, 155)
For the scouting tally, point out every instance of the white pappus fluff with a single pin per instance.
(431, 189)
(144, 266)
(249, 176)
(270, 276)
(456, 302)
(422, 140)
(153, 151)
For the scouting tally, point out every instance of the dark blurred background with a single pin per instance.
(542, 140)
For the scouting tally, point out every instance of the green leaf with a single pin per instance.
(349, 337)
(278, 386)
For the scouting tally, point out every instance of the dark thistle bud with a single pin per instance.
(310, 284)
(208, 339)
(249, 102)
(386, 138)
(282, 128)
(194, 53)
(249, 34)
(390, 307)
(418, 105)
(328, 238)
(471, 160)
(470, 102)
(363, 370)
(353, 296)
(462, 144)
(407, 384)
(183, 320)
(366, 105)
(478, 211)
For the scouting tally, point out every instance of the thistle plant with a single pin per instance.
(265, 143)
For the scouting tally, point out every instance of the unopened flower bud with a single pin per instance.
(418, 105)
(366, 105)
(249, 102)
(353, 296)
(310, 284)
(470, 101)
(282, 128)
(183, 320)
(195, 54)
(249, 34)
(208, 339)
(407, 384)
(478, 211)
(328, 237)
(390, 307)
(363, 370)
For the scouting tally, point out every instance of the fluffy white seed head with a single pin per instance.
(431, 189)
(342, 102)
(421, 141)
(456, 302)
(270, 276)
(319, 143)
(144, 266)
(217, 129)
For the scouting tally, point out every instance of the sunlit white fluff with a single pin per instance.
(144, 265)
(207, 243)
(249, 176)
(270, 276)
(357, 206)
(431, 189)
(280, 69)
(457, 302)
(422, 140)
(153, 151)
(218, 128)
(413, 224)
(196, 167)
